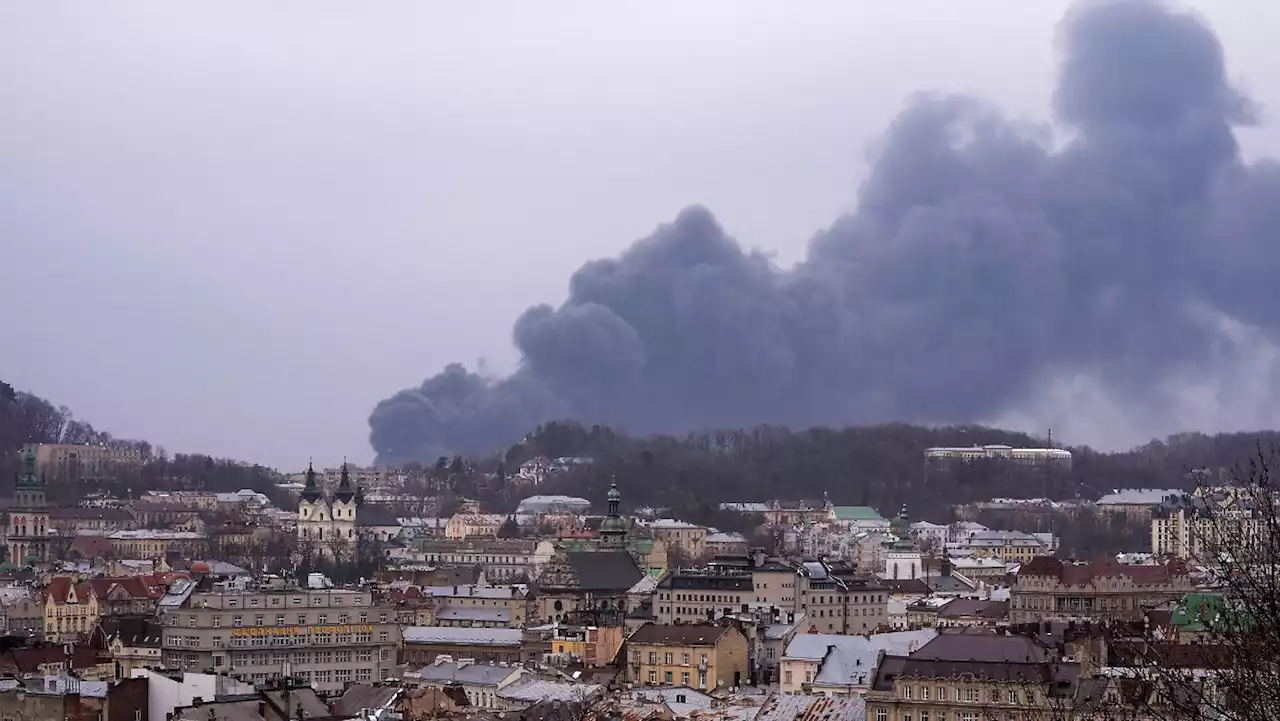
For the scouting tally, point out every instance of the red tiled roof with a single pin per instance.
(92, 546)
(1083, 574)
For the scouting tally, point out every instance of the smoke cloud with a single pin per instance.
(985, 257)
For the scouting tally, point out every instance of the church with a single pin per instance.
(27, 536)
(331, 524)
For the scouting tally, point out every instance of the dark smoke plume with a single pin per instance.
(982, 259)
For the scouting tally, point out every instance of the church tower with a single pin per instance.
(313, 514)
(344, 506)
(28, 533)
(613, 529)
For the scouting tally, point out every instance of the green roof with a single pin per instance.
(857, 513)
(1200, 611)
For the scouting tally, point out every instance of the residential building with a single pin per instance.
(775, 583)
(971, 676)
(726, 544)
(422, 644)
(840, 665)
(689, 539)
(71, 521)
(473, 605)
(1005, 545)
(1049, 588)
(702, 656)
(504, 559)
(972, 612)
(86, 462)
(132, 641)
(701, 595)
(329, 637)
(1197, 525)
(474, 525)
(1137, 503)
(840, 603)
(481, 682)
(70, 610)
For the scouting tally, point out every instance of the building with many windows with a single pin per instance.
(258, 629)
(701, 656)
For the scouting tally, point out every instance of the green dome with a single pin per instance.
(614, 524)
(6, 566)
(31, 560)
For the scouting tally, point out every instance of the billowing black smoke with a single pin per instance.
(982, 258)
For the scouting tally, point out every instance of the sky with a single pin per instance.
(233, 229)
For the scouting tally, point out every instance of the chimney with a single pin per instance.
(262, 709)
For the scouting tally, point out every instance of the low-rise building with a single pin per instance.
(472, 525)
(686, 538)
(968, 676)
(726, 544)
(1137, 503)
(840, 665)
(701, 656)
(422, 644)
(1049, 588)
(503, 559)
(480, 681)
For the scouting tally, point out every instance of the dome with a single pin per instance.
(31, 560)
(6, 566)
(614, 495)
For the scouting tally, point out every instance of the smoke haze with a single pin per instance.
(989, 266)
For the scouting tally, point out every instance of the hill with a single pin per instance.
(879, 465)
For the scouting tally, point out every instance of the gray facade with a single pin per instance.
(327, 637)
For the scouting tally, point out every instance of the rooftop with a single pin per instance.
(693, 634)
(462, 636)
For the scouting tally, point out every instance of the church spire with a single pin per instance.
(311, 491)
(345, 492)
(613, 529)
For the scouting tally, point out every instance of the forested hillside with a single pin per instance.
(880, 465)
(28, 418)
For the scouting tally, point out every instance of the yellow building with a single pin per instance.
(471, 525)
(971, 676)
(701, 656)
(70, 611)
(686, 538)
(76, 462)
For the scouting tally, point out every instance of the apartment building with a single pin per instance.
(839, 602)
(253, 627)
(473, 605)
(503, 559)
(702, 656)
(971, 676)
(472, 525)
(1196, 525)
(702, 594)
(1013, 546)
(1048, 588)
(85, 462)
(686, 538)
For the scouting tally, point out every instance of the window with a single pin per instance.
(217, 621)
(924, 715)
(908, 691)
(385, 655)
(924, 695)
(324, 618)
(302, 619)
(684, 678)
(668, 678)
(653, 676)
(383, 637)
(942, 693)
(237, 620)
(667, 658)
(882, 714)
(786, 676)
(280, 619)
(969, 695)
(653, 657)
(1013, 696)
(257, 620)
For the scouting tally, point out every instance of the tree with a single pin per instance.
(509, 528)
(1220, 661)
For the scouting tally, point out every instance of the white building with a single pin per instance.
(537, 505)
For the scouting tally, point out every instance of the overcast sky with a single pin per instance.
(233, 229)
